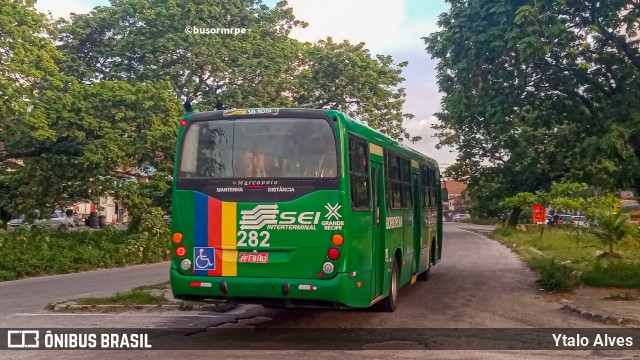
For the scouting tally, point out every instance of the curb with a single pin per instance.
(166, 307)
(604, 318)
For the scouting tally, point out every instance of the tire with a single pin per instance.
(63, 228)
(424, 276)
(390, 303)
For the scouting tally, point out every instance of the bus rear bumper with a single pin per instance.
(272, 291)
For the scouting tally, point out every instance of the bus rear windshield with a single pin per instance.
(259, 148)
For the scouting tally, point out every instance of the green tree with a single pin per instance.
(542, 85)
(145, 40)
(345, 77)
(28, 76)
(94, 135)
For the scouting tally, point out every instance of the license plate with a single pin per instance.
(253, 257)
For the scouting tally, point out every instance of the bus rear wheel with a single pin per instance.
(424, 276)
(390, 303)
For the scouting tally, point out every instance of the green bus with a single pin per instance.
(300, 208)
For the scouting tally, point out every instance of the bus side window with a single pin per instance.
(359, 175)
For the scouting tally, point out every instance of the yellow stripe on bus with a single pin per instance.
(229, 252)
(229, 262)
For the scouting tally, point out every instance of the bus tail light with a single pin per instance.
(177, 238)
(333, 254)
(337, 240)
(183, 122)
(181, 251)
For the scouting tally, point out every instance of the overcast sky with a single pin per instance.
(387, 27)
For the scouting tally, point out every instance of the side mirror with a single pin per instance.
(445, 194)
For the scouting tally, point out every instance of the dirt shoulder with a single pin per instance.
(603, 305)
(615, 306)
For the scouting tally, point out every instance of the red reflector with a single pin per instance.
(359, 284)
(183, 122)
(181, 251)
(333, 254)
(194, 284)
(320, 274)
(254, 187)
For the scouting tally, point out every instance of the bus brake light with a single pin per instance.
(183, 122)
(333, 254)
(181, 251)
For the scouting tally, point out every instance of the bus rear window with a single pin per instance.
(259, 148)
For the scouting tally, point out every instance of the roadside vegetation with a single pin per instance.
(26, 252)
(565, 262)
(126, 298)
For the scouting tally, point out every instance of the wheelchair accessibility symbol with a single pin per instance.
(205, 258)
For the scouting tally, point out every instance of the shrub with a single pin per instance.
(26, 252)
(557, 277)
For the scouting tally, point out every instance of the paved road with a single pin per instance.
(479, 284)
(32, 295)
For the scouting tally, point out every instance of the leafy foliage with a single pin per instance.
(98, 133)
(612, 228)
(542, 91)
(144, 40)
(41, 252)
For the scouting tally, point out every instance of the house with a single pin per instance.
(455, 203)
(113, 210)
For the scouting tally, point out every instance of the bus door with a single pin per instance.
(417, 222)
(378, 253)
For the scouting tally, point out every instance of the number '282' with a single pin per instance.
(253, 239)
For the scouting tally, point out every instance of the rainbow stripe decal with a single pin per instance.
(215, 226)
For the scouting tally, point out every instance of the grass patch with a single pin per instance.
(185, 306)
(26, 252)
(159, 286)
(131, 297)
(616, 274)
(621, 297)
(564, 261)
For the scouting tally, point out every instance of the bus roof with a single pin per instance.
(378, 138)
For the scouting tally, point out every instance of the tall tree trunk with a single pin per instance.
(515, 215)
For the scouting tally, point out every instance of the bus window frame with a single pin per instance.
(213, 118)
(357, 140)
(398, 181)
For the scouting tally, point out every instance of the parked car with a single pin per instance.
(460, 217)
(560, 219)
(579, 221)
(14, 224)
(56, 221)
